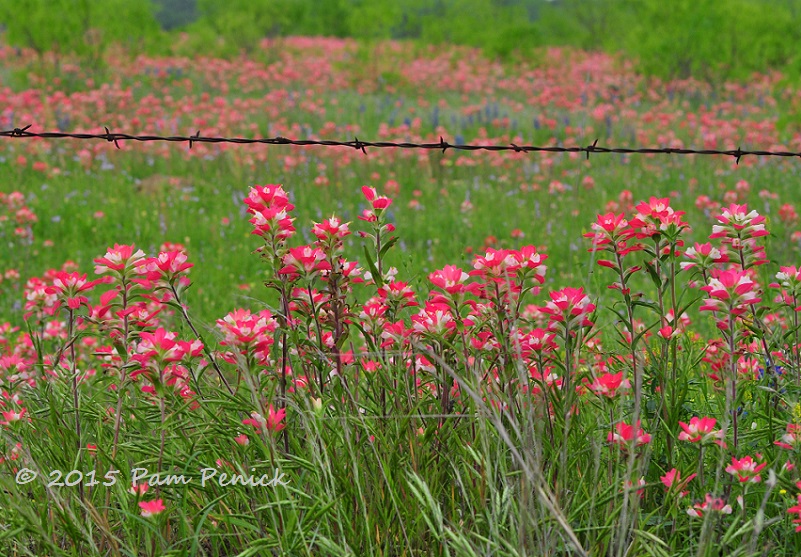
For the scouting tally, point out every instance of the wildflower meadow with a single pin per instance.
(246, 350)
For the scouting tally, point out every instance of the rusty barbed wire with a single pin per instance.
(359, 145)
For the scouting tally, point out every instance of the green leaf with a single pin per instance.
(650, 305)
(652, 272)
(367, 337)
(379, 280)
(343, 338)
(392, 241)
(654, 545)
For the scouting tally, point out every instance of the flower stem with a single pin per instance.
(74, 374)
(205, 348)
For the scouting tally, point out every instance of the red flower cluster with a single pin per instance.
(270, 208)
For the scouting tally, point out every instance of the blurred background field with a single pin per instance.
(709, 74)
(681, 73)
(680, 38)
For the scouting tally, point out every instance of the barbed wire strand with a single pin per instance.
(359, 145)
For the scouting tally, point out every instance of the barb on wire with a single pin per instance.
(591, 148)
(362, 146)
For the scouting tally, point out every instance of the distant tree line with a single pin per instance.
(668, 38)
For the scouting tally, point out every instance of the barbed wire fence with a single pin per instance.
(359, 145)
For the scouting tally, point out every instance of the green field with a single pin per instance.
(149, 193)
(479, 422)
